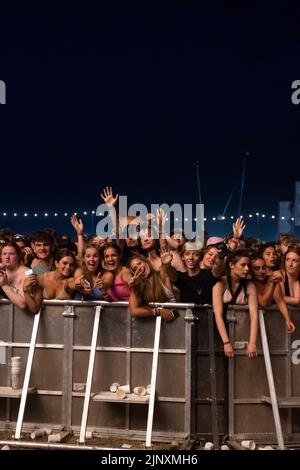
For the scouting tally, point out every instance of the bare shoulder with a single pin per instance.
(107, 275)
(126, 274)
(251, 287)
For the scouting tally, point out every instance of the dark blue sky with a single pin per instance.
(134, 98)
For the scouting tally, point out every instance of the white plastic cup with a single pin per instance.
(114, 387)
(126, 388)
(28, 272)
(120, 393)
(37, 433)
(140, 391)
(148, 389)
(225, 447)
(16, 359)
(209, 446)
(54, 437)
(15, 372)
(249, 445)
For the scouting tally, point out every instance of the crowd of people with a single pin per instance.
(144, 269)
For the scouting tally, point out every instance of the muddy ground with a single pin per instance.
(109, 442)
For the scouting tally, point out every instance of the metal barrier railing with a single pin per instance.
(61, 321)
(198, 389)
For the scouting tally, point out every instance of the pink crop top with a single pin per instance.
(119, 290)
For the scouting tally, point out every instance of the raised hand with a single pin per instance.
(29, 283)
(77, 224)
(83, 285)
(99, 282)
(136, 276)
(238, 227)
(99, 241)
(107, 196)
(165, 255)
(3, 277)
(275, 277)
(161, 218)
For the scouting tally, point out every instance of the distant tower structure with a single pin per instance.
(243, 183)
(297, 203)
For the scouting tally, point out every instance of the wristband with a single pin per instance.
(226, 342)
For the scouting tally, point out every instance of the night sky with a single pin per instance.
(133, 98)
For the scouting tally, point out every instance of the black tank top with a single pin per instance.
(286, 287)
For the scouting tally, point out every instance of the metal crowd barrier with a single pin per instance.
(198, 390)
(264, 393)
(123, 353)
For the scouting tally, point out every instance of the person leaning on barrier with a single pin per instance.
(148, 285)
(290, 284)
(58, 284)
(195, 285)
(92, 282)
(269, 290)
(236, 289)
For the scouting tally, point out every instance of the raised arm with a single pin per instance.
(110, 201)
(167, 272)
(238, 228)
(78, 226)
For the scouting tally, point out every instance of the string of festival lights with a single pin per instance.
(92, 213)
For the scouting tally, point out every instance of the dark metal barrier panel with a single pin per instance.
(124, 355)
(250, 411)
(209, 386)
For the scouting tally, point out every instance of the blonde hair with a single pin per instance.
(150, 289)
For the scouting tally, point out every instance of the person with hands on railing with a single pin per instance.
(91, 281)
(290, 284)
(268, 289)
(148, 285)
(236, 289)
(58, 284)
(119, 290)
